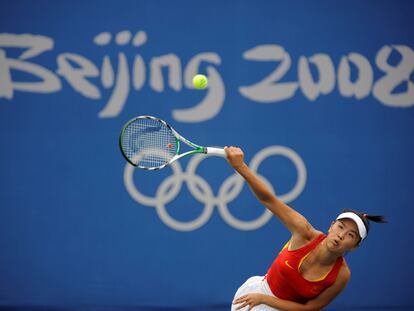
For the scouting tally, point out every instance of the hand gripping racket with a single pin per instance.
(151, 144)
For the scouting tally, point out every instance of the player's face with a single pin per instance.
(343, 236)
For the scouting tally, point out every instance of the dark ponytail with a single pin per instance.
(375, 218)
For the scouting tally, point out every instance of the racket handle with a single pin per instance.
(216, 151)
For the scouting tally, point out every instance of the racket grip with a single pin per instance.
(216, 151)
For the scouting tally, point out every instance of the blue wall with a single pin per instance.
(319, 94)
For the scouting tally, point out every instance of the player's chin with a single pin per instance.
(334, 246)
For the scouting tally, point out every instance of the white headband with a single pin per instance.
(360, 224)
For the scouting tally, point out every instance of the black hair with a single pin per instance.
(366, 218)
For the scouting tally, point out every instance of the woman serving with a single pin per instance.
(310, 271)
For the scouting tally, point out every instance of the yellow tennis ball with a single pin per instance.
(200, 82)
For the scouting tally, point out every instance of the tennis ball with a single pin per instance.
(200, 82)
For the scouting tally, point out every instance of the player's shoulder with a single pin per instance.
(344, 271)
(303, 238)
(313, 233)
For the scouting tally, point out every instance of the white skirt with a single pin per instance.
(255, 284)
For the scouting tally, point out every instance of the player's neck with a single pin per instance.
(324, 256)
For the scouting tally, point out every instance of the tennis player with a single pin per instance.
(310, 271)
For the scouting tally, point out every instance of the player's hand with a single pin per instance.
(251, 300)
(235, 156)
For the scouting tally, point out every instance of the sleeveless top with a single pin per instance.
(285, 280)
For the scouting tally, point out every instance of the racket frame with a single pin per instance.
(178, 137)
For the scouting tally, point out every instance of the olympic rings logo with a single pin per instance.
(170, 187)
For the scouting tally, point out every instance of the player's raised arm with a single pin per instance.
(294, 221)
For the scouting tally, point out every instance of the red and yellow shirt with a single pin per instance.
(285, 280)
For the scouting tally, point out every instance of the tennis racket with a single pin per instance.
(151, 144)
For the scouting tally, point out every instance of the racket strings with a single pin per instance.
(148, 143)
